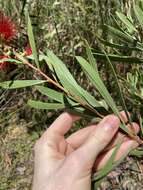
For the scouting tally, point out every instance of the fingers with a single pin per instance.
(62, 124)
(56, 131)
(120, 137)
(65, 121)
(124, 149)
(99, 139)
(124, 116)
(78, 138)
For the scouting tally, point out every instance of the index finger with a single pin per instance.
(63, 123)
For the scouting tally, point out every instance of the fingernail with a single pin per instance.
(110, 122)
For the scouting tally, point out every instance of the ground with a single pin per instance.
(16, 161)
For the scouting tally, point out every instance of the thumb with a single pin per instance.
(98, 140)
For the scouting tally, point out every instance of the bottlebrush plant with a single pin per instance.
(7, 33)
(7, 28)
(69, 94)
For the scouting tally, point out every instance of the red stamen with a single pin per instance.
(7, 28)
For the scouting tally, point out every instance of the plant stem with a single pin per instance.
(48, 79)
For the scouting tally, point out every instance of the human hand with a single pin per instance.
(67, 163)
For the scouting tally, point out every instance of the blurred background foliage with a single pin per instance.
(62, 25)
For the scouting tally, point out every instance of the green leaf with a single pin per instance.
(70, 105)
(64, 75)
(120, 35)
(119, 88)
(138, 46)
(141, 1)
(91, 58)
(126, 21)
(137, 153)
(43, 105)
(139, 14)
(32, 41)
(74, 109)
(43, 57)
(70, 84)
(10, 60)
(46, 59)
(92, 101)
(109, 165)
(97, 82)
(20, 83)
(118, 58)
(54, 95)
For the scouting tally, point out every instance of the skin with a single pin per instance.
(67, 163)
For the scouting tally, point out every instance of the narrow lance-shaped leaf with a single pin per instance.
(139, 14)
(70, 105)
(124, 59)
(109, 165)
(138, 47)
(98, 83)
(94, 77)
(121, 35)
(32, 41)
(70, 84)
(126, 21)
(43, 105)
(119, 88)
(54, 95)
(20, 83)
(91, 58)
(49, 65)
(55, 106)
(64, 75)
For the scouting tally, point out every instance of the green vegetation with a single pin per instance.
(83, 56)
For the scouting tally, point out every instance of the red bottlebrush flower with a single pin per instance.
(7, 28)
(3, 64)
(28, 51)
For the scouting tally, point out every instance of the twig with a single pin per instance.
(48, 79)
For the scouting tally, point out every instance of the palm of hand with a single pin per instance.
(57, 157)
